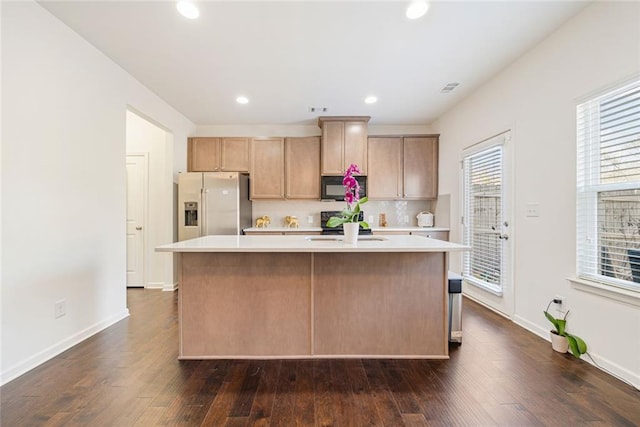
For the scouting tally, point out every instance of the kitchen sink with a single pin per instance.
(340, 238)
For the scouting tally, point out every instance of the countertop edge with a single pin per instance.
(316, 229)
(305, 244)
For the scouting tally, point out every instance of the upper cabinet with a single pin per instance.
(203, 154)
(302, 158)
(420, 167)
(218, 154)
(267, 168)
(344, 141)
(285, 168)
(403, 168)
(384, 181)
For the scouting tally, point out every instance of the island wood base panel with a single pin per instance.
(312, 305)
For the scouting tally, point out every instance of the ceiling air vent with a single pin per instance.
(318, 109)
(449, 87)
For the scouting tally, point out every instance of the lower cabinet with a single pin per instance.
(293, 232)
(263, 233)
(302, 233)
(440, 235)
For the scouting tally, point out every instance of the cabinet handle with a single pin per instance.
(138, 228)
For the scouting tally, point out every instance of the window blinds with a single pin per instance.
(608, 188)
(483, 217)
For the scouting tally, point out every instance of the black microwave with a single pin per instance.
(332, 188)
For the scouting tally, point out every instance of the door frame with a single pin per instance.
(504, 303)
(145, 209)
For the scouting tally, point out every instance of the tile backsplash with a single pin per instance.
(399, 213)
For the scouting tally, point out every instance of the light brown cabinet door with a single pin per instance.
(344, 141)
(355, 145)
(332, 148)
(440, 235)
(302, 168)
(234, 153)
(267, 168)
(420, 168)
(384, 181)
(203, 155)
(264, 233)
(391, 233)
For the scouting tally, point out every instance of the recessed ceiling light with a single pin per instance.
(188, 9)
(242, 100)
(417, 9)
(371, 100)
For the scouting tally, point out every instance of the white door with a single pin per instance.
(136, 201)
(487, 228)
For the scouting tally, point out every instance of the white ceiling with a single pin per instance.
(287, 56)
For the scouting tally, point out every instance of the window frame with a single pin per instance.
(589, 276)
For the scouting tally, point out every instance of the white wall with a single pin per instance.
(536, 98)
(63, 184)
(301, 130)
(145, 137)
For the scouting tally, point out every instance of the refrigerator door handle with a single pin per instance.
(203, 222)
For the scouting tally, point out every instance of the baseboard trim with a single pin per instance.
(612, 368)
(488, 307)
(155, 285)
(601, 363)
(170, 287)
(51, 352)
(532, 327)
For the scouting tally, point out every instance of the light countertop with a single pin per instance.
(317, 229)
(298, 243)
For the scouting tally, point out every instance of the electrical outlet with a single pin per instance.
(561, 307)
(406, 218)
(310, 219)
(532, 210)
(60, 308)
(370, 219)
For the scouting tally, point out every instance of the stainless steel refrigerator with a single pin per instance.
(212, 203)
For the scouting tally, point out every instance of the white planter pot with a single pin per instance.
(351, 230)
(559, 343)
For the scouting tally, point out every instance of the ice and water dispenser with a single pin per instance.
(190, 214)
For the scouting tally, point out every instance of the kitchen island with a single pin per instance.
(312, 297)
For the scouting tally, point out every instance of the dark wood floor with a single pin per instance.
(129, 375)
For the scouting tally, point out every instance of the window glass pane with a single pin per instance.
(620, 138)
(619, 234)
(608, 188)
(483, 194)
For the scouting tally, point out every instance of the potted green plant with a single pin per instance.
(561, 340)
(349, 217)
